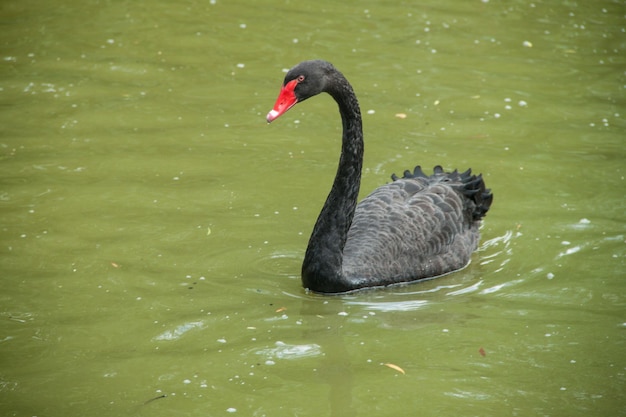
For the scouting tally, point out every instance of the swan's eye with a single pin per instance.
(300, 78)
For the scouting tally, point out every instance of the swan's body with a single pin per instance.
(413, 228)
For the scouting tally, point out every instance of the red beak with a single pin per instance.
(286, 100)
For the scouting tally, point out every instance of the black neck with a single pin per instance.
(323, 260)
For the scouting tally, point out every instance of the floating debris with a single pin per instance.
(395, 368)
(155, 398)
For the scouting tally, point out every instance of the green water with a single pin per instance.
(153, 225)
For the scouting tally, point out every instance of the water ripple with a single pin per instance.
(178, 331)
(409, 305)
(287, 351)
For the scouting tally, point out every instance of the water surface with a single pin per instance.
(153, 225)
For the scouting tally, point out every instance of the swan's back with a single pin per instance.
(416, 227)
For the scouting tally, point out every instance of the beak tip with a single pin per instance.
(273, 114)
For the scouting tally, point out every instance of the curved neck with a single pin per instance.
(322, 267)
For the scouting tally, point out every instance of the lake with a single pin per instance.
(153, 224)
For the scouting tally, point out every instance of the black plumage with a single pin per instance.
(416, 227)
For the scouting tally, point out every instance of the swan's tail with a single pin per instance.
(471, 186)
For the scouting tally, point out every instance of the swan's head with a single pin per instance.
(305, 80)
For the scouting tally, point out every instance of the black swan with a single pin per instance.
(413, 228)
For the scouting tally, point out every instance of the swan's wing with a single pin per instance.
(416, 227)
